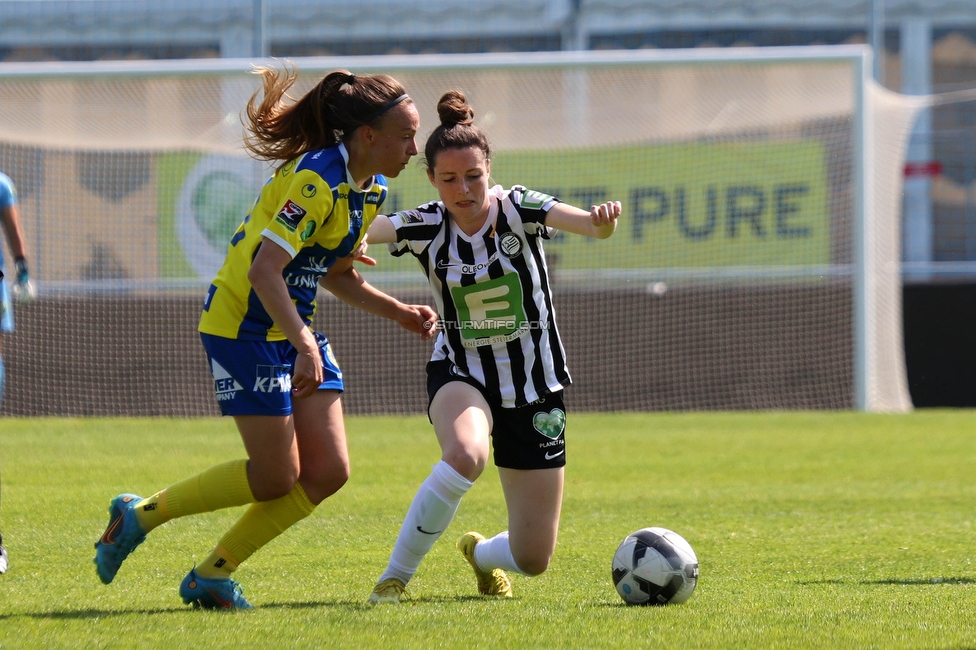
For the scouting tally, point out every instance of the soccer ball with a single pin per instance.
(655, 566)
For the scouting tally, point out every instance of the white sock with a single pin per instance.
(431, 511)
(496, 553)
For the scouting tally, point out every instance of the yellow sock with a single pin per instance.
(221, 486)
(259, 524)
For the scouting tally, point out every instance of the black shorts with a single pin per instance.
(526, 437)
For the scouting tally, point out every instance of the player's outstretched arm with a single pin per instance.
(347, 285)
(599, 222)
(381, 231)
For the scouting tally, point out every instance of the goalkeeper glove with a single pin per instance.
(24, 291)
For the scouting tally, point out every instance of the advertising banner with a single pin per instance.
(695, 205)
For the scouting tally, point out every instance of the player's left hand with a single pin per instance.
(23, 289)
(605, 213)
(419, 319)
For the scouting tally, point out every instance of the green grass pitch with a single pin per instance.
(820, 530)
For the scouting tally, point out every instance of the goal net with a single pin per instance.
(756, 264)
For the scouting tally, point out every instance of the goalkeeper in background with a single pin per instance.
(23, 291)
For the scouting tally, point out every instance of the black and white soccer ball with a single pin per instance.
(655, 566)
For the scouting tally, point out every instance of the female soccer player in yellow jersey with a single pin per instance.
(498, 368)
(277, 378)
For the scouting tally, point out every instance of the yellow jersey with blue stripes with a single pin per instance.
(313, 209)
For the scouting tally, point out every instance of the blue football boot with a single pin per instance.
(212, 593)
(120, 538)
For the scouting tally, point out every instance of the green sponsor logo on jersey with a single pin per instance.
(490, 312)
(309, 230)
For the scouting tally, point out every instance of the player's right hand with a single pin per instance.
(307, 374)
(23, 290)
(419, 319)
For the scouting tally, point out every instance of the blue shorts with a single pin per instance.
(254, 377)
(6, 309)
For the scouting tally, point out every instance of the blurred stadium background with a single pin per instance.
(116, 364)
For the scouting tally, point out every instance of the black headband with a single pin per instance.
(385, 107)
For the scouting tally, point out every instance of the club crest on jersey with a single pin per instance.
(290, 215)
(510, 245)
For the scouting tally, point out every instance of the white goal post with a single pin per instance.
(757, 264)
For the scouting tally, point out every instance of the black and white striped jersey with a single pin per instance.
(491, 290)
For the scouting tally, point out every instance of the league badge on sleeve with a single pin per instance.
(410, 216)
(290, 215)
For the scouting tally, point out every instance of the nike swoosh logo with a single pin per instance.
(551, 456)
(436, 532)
(107, 538)
(226, 604)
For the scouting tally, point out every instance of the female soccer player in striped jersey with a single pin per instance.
(277, 378)
(498, 368)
